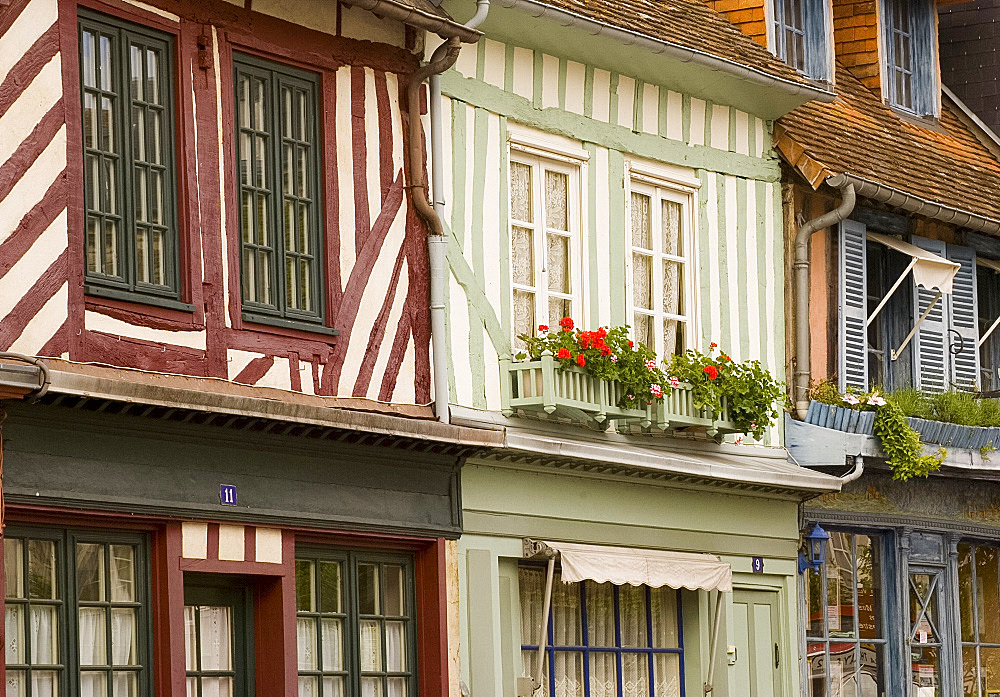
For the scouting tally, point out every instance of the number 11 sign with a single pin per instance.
(227, 494)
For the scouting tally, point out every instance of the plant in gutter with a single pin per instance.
(607, 354)
(755, 399)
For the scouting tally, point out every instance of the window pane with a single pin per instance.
(397, 687)
(566, 627)
(568, 669)
(14, 634)
(93, 637)
(368, 600)
(44, 682)
(42, 569)
(642, 281)
(523, 258)
(641, 221)
(15, 685)
(672, 287)
(559, 308)
(88, 58)
(971, 675)
(600, 614)
(333, 687)
(520, 192)
(925, 670)
(558, 263)
(216, 687)
(923, 608)
(671, 214)
(663, 603)
(635, 675)
(869, 567)
(393, 590)
(371, 687)
(987, 601)
(93, 683)
(531, 585)
(872, 678)
(556, 200)
(966, 592)
(216, 637)
(603, 674)
(190, 638)
(842, 665)
(673, 337)
(816, 666)
(330, 586)
(308, 686)
(306, 641)
(524, 313)
(632, 608)
(333, 644)
(395, 647)
(44, 635)
(304, 586)
(667, 674)
(122, 573)
(123, 636)
(90, 572)
(643, 330)
(989, 662)
(13, 568)
(371, 646)
(840, 586)
(814, 603)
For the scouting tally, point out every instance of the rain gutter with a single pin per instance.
(402, 12)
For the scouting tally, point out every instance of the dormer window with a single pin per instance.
(800, 36)
(910, 60)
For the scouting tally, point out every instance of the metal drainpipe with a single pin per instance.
(801, 273)
(437, 243)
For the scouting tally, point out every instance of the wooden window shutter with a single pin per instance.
(853, 306)
(931, 368)
(964, 311)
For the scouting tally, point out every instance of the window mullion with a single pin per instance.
(277, 228)
(126, 161)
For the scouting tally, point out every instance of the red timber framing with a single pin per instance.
(375, 272)
(276, 658)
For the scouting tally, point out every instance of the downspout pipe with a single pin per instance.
(800, 270)
(437, 244)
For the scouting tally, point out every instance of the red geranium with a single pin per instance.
(580, 360)
(543, 327)
(630, 344)
(713, 345)
(605, 350)
(711, 371)
(566, 323)
(564, 353)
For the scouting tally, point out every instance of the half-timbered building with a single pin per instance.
(222, 476)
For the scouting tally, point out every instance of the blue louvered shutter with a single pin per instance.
(931, 369)
(964, 312)
(853, 306)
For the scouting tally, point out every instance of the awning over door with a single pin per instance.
(929, 270)
(635, 567)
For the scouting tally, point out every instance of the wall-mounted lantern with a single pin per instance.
(813, 555)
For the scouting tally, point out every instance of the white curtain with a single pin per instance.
(93, 651)
(371, 646)
(306, 642)
(43, 650)
(216, 637)
(603, 676)
(13, 634)
(395, 647)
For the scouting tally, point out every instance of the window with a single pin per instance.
(845, 634)
(75, 619)
(279, 217)
(544, 233)
(355, 625)
(988, 292)
(910, 61)
(603, 639)
(658, 268)
(126, 76)
(891, 324)
(979, 608)
(801, 36)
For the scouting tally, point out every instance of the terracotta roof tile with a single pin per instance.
(859, 135)
(689, 24)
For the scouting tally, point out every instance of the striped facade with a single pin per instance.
(375, 270)
(616, 121)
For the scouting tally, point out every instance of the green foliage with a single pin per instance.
(826, 392)
(912, 403)
(753, 396)
(607, 354)
(902, 445)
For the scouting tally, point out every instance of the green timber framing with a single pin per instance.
(534, 90)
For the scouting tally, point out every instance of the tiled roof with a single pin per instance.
(689, 24)
(859, 135)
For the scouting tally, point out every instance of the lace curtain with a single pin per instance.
(567, 630)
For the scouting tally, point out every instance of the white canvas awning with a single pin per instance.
(929, 270)
(635, 567)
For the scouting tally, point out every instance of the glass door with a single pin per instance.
(926, 641)
(218, 641)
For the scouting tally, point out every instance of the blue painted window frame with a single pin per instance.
(909, 69)
(618, 651)
(806, 19)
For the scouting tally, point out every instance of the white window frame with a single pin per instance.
(678, 188)
(543, 155)
(818, 39)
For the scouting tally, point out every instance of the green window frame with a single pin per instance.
(278, 165)
(88, 594)
(131, 244)
(355, 624)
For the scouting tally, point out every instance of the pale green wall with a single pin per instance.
(502, 505)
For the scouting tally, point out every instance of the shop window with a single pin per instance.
(801, 38)
(355, 625)
(603, 639)
(130, 209)
(545, 241)
(658, 268)
(278, 187)
(845, 634)
(909, 28)
(979, 610)
(76, 615)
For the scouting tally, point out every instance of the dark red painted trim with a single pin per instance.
(214, 566)
(33, 224)
(250, 544)
(255, 370)
(432, 618)
(58, 344)
(151, 316)
(367, 366)
(362, 221)
(144, 355)
(30, 148)
(385, 135)
(288, 608)
(212, 544)
(396, 353)
(10, 15)
(276, 344)
(168, 612)
(331, 189)
(294, 376)
(30, 64)
(31, 302)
